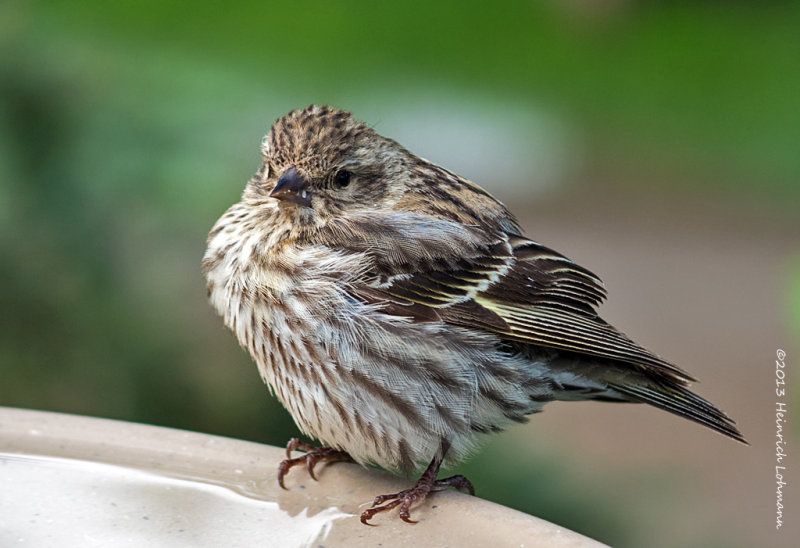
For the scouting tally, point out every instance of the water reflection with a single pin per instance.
(50, 501)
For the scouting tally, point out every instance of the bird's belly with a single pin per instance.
(343, 390)
(382, 388)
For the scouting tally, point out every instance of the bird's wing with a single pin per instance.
(505, 284)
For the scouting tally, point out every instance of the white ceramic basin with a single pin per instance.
(69, 481)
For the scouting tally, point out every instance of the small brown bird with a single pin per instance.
(399, 314)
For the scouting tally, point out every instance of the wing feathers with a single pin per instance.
(505, 284)
(577, 333)
(526, 294)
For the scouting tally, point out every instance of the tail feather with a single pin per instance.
(681, 401)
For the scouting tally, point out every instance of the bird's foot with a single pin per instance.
(313, 455)
(405, 499)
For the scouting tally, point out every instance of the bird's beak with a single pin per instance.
(292, 187)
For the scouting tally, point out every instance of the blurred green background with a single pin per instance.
(127, 128)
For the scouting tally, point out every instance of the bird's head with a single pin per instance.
(320, 163)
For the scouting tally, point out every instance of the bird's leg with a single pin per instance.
(312, 456)
(426, 484)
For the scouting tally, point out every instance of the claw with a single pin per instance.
(367, 515)
(311, 462)
(405, 499)
(426, 484)
(312, 456)
(283, 467)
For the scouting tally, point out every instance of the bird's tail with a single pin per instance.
(683, 402)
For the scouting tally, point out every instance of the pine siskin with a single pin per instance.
(398, 313)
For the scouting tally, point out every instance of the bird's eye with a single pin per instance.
(342, 178)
